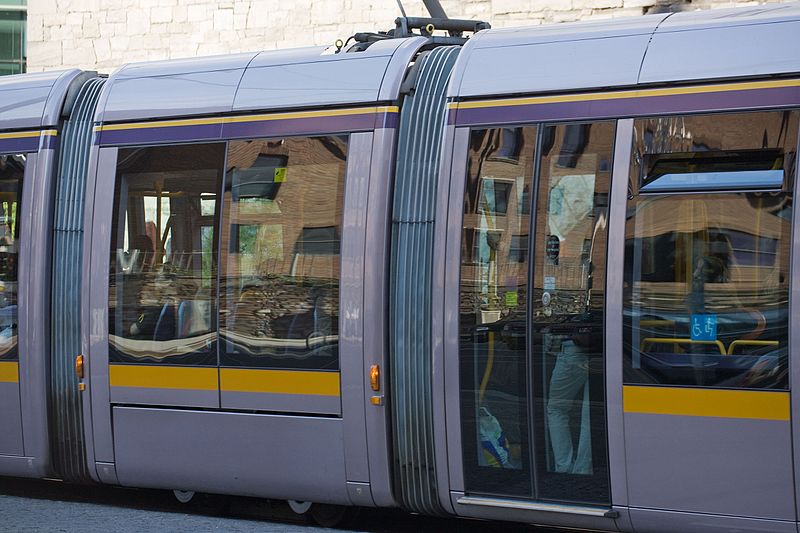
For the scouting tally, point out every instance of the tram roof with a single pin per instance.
(689, 46)
(32, 101)
(270, 80)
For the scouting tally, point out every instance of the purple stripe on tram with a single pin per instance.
(194, 132)
(299, 126)
(251, 129)
(387, 121)
(17, 145)
(629, 107)
(50, 142)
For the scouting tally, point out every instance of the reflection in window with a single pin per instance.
(707, 275)
(259, 182)
(494, 294)
(518, 251)
(495, 196)
(484, 245)
(567, 312)
(318, 241)
(510, 145)
(281, 245)
(163, 255)
(573, 145)
(710, 171)
(12, 170)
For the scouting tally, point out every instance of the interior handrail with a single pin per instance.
(750, 342)
(677, 340)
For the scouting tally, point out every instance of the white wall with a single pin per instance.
(103, 34)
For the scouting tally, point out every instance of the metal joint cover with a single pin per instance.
(65, 405)
(422, 126)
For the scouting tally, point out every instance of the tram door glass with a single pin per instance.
(531, 312)
(707, 250)
(12, 169)
(567, 314)
(280, 261)
(494, 299)
(163, 278)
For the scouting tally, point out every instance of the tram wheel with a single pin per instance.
(183, 496)
(327, 515)
(299, 507)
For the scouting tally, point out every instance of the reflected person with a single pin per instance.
(569, 387)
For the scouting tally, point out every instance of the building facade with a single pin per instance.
(12, 36)
(103, 34)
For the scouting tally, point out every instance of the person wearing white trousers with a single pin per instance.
(569, 384)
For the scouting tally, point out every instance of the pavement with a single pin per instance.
(52, 506)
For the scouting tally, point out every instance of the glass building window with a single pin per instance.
(13, 41)
(281, 235)
(707, 250)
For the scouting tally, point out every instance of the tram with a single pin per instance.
(543, 275)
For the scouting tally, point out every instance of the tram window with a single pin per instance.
(707, 269)
(12, 170)
(279, 300)
(162, 284)
(567, 318)
(493, 303)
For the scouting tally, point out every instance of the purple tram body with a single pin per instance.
(454, 275)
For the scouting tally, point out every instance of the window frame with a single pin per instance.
(636, 180)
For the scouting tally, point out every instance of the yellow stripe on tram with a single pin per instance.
(159, 124)
(720, 403)
(9, 372)
(164, 377)
(249, 118)
(280, 381)
(20, 134)
(617, 95)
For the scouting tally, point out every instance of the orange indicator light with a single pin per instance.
(375, 377)
(79, 366)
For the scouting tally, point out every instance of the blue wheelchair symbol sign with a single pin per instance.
(704, 327)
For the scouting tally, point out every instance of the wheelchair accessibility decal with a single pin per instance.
(704, 327)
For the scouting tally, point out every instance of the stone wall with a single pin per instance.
(103, 34)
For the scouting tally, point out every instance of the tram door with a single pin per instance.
(706, 320)
(12, 170)
(532, 313)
